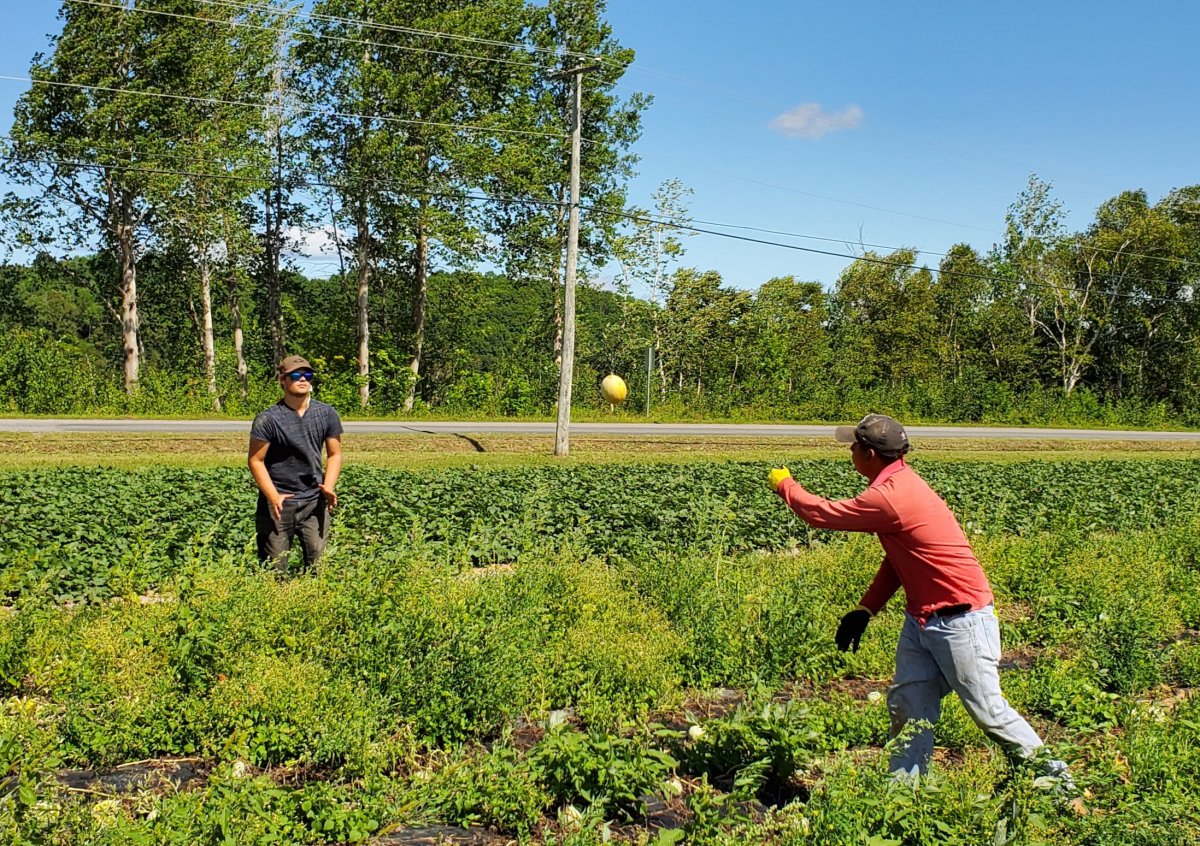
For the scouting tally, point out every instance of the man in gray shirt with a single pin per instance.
(295, 496)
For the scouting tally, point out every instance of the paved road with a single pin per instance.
(633, 430)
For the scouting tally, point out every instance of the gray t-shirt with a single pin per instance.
(294, 455)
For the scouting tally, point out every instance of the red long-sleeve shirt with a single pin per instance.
(925, 550)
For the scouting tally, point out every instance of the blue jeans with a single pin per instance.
(959, 653)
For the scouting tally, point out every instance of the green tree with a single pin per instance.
(349, 143)
(1141, 248)
(89, 136)
(1070, 286)
(459, 97)
(786, 345)
(701, 326)
(200, 208)
(982, 328)
(535, 167)
(645, 254)
(884, 322)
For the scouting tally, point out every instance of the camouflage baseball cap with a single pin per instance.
(877, 431)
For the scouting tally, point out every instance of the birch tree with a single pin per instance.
(91, 138)
(200, 207)
(653, 243)
(1070, 287)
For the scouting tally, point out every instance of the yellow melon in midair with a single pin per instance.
(613, 389)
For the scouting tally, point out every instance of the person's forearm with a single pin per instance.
(262, 478)
(865, 513)
(883, 587)
(333, 469)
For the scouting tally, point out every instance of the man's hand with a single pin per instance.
(850, 630)
(776, 476)
(277, 506)
(330, 496)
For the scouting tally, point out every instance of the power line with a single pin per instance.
(529, 48)
(830, 199)
(408, 30)
(270, 182)
(626, 215)
(790, 189)
(1078, 245)
(264, 105)
(889, 262)
(300, 32)
(292, 179)
(560, 137)
(349, 21)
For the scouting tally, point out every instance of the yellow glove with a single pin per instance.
(776, 476)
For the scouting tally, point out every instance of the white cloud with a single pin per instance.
(310, 242)
(809, 120)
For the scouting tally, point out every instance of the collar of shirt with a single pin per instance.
(889, 471)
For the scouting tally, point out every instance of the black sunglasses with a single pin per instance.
(297, 375)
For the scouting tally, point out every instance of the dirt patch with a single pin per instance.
(164, 775)
(441, 835)
(700, 706)
(854, 688)
(40, 450)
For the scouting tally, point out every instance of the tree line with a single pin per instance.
(167, 153)
(419, 135)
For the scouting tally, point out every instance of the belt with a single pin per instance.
(951, 610)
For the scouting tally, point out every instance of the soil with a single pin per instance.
(159, 775)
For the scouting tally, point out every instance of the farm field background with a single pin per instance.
(634, 645)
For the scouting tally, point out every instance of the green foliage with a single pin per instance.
(28, 756)
(44, 376)
(499, 788)
(274, 710)
(398, 685)
(1066, 691)
(608, 772)
(88, 534)
(755, 752)
(1183, 664)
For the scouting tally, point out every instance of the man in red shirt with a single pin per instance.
(951, 638)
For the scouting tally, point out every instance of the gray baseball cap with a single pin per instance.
(877, 431)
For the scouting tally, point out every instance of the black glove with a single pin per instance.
(850, 630)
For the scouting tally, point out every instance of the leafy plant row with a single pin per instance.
(71, 532)
(387, 689)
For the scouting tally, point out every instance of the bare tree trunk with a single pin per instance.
(206, 328)
(364, 287)
(235, 311)
(274, 211)
(235, 314)
(129, 307)
(662, 369)
(421, 271)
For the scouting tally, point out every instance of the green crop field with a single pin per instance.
(570, 654)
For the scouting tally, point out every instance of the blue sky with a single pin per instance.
(947, 109)
(895, 124)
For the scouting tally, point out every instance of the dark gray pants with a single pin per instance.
(309, 519)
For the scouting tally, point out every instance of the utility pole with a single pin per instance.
(562, 436)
